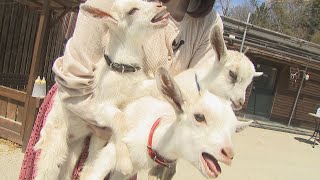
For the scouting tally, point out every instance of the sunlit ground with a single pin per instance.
(264, 155)
(260, 155)
(10, 160)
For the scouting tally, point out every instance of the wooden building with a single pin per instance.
(283, 59)
(32, 34)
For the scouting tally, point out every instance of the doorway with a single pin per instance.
(262, 93)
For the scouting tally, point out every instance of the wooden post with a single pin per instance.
(298, 94)
(38, 54)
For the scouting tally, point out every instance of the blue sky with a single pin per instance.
(237, 2)
(233, 3)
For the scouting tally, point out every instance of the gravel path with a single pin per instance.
(10, 160)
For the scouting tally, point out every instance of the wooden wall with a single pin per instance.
(12, 109)
(55, 48)
(19, 57)
(285, 96)
(286, 92)
(18, 27)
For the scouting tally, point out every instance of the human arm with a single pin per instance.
(75, 79)
(204, 53)
(76, 71)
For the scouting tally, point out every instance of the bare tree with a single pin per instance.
(241, 11)
(298, 18)
(290, 17)
(225, 6)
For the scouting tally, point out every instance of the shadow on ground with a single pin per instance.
(307, 141)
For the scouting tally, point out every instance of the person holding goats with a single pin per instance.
(183, 44)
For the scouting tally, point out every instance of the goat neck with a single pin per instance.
(164, 139)
(124, 50)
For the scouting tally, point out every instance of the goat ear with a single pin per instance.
(242, 125)
(217, 42)
(257, 74)
(97, 13)
(169, 89)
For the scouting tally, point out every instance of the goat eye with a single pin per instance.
(200, 117)
(132, 11)
(233, 76)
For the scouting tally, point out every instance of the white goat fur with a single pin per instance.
(129, 23)
(215, 76)
(218, 77)
(179, 134)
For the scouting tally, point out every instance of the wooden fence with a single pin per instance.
(21, 32)
(18, 26)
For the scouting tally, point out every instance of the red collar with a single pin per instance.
(153, 153)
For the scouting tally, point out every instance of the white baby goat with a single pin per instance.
(130, 23)
(227, 77)
(198, 130)
(220, 75)
(230, 74)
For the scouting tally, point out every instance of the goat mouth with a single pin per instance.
(162, 16)
(211, 165)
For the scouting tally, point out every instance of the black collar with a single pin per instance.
(121, 68)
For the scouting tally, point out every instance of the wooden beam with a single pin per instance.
(12, 94)
(57, 9)
(276, 53)
(29, 120)
(273, 39)
(30, 3)
(9, 124)
(65, 3)
(38, 54)
(60, 17)
(272, 35)
(10, 135)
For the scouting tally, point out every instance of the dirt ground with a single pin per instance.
(10, 160)
(264, 155)
(260, 155)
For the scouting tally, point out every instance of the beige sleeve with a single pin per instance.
(74, 75)
(204, 55)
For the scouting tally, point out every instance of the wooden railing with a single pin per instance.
(11, 113)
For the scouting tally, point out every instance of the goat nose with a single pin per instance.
(227, 152)
(159, 4)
